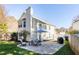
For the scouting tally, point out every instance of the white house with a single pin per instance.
(32, 24)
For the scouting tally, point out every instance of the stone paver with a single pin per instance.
(46, 47)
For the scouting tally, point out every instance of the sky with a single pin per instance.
(60, 15)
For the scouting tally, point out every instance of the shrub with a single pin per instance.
(25, 34)
(66, 38)
(73, 32)
(14, 36)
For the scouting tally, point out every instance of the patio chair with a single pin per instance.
(36, 42)
(22, 43)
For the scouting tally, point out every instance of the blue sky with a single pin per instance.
(60, 15)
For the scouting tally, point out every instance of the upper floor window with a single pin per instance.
(24, 24)
(40, 25)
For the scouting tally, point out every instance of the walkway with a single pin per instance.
(49, 47)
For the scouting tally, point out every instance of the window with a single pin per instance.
(24, 24)
(40, 26)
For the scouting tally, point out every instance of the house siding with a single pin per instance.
(32, 25)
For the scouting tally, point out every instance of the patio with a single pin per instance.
(48, 47)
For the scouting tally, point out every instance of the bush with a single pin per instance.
(60, 40)
(73, 32)
(66, 38)
(25, 34)
(14, 36)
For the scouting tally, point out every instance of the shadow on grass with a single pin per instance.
(12, 49)
(65, 50)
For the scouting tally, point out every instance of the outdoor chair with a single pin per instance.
(18, 42)
(29, 42)
(22, 43)
(35, 42)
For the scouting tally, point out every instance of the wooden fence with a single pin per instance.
(74, 43)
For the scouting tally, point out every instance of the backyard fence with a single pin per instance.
(74, 43)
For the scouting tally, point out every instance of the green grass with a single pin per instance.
(65, 50)
(10, 47)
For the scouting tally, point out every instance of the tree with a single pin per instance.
(14, 36)
(2, 14)
(25, 33)
(3, 29)
(73, 32)
(57, 30)
(3, 25)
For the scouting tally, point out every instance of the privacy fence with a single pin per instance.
(74, 43)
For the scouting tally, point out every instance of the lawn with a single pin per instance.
(10, 48)
(65, 50)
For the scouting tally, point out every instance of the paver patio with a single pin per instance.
(49, 47)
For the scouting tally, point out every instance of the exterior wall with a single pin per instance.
(27, 16)
(34, 28)
(49, 35)
(75, 25)
(32, 25)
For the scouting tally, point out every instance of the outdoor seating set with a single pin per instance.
(36, 42)
(30, 43)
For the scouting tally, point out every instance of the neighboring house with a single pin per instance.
(32, 24)
(61, 31)
(75, 23)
